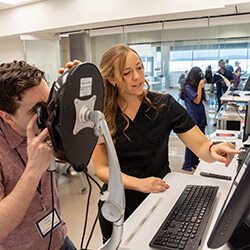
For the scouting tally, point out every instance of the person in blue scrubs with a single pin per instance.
(193, 94)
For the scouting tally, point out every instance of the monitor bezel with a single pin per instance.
(236, 207)
(246, 129)
(247, 85)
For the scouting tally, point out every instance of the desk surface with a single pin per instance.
(141, 226)
(232, 136)
(230, 114)
(231, 98)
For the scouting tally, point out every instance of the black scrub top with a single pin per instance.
(146, 153)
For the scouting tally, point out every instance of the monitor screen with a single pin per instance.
(232, 225)
(246, 130)
(247, 85)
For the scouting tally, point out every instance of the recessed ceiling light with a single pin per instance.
(14, 2)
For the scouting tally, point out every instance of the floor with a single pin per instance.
(74, 202)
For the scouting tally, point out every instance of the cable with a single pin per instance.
(52, 200)
(88, 176)
(238, 112)
(93, 227)
(87, 210)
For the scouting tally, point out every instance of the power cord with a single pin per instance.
(88, 177)
(238, 112)
(87, 211)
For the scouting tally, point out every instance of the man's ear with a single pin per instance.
(111, 80)
(6, 117)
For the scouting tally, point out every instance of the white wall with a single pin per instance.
(10, 49)
(47, 17)
(68, 15)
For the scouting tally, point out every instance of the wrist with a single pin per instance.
(32, 173)
(210, 146)
(137, 184)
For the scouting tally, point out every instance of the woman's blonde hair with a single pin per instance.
(116, 55)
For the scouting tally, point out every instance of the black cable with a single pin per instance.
(237, 110)
(52, 200)
(88, 176)
(87, 210)
(93, 227)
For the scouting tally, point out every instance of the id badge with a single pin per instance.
(44, 225)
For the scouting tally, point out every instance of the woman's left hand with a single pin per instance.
(69, 65)
(224, 152)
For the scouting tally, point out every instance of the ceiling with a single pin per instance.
(4, 5)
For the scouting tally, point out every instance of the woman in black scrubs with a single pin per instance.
(140, 123)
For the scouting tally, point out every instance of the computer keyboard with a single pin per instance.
(185, 224)
(234, 93)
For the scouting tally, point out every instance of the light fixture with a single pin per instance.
(15, 2)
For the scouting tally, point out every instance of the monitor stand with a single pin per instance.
(240, 239)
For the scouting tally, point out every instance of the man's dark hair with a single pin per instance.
(15, 78)
(220, 61)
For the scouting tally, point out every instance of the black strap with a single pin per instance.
(24, 164)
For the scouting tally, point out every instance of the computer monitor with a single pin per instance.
(233, 223)
(246, 129)
(247, 85)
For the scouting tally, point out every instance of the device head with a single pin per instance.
(81, 82)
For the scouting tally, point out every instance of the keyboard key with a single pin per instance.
(188, 216)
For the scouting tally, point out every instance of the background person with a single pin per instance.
(228, 66)
(182, 79)
(221, 86)
(209, 74)
(140, 123)
(25, 192)
(193, 94)
(237, 74)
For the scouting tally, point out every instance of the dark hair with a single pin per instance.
(182, 76)
(193, 79)
(220, 61)
(15, 78)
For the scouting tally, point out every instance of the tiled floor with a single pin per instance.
(74, 203)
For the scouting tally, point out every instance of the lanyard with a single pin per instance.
(38, 189)
(39, 184)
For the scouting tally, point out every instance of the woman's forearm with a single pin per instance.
(197, 99)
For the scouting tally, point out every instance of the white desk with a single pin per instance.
(221, 135)
(141, 226)
(229, 113)
(231, 98)
(219, 167)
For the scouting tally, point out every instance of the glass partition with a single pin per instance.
(167, 54)
(44, 54)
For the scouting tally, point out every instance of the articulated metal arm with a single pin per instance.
(228, 83)
(113, 207)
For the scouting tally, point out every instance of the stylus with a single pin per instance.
(218, 176)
